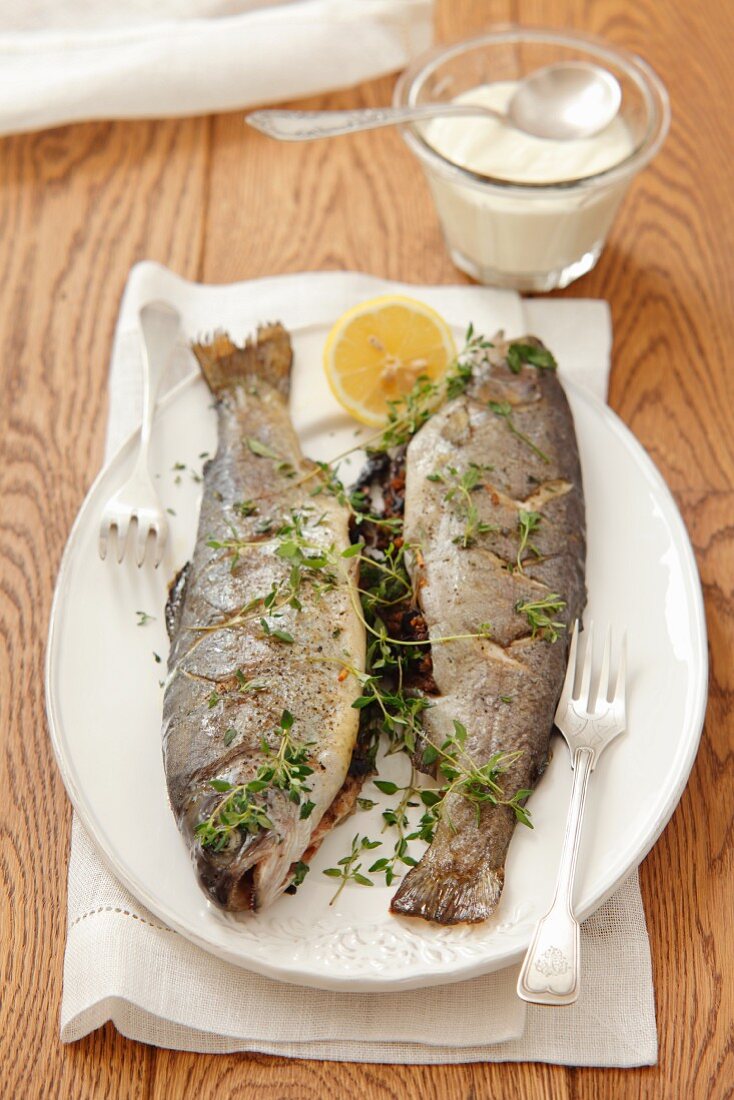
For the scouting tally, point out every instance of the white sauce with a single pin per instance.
(531, 240)
(489, 146)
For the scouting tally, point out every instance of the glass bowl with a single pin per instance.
(529, 236)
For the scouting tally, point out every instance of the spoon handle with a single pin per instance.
(308, 125)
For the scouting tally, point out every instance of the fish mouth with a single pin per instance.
(229, 885)
(232, 879)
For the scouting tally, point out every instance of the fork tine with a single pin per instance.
(159, 537)
(567, 690)
(619, 689)
(103, 533)
(602, 691)
(583, 695)
(142, 542)
(122, 526)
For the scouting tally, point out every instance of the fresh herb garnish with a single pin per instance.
(229, 736)
(144, 618)
(519, 353)
(300, 871)
(348, 869)
(244, 685)
(460, 487)
(262, 449)
(539, 614)
(410, 412)
(281, 635)
(242, 810)
(476, 784)
(527, 523)
(504, 409)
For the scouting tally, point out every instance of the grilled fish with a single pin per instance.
(508, 548)
(258, 724)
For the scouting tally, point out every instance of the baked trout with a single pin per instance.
(494, 507)
(258, 724)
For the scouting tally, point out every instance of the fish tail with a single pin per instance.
(450, 897)
(267, 358)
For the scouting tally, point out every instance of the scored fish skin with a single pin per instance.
(504, 688)
(303, 677)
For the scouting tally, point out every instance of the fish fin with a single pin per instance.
(269, 358)
(450, 898)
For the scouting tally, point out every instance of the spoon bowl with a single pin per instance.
(566, 101)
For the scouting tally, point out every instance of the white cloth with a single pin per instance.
(68, 60)
(123, 965)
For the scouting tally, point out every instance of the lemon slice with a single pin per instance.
(377, 350)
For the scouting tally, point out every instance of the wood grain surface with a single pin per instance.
(217, 202)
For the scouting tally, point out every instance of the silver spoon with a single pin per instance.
(572, 99)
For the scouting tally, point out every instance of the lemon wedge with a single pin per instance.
(377, 350)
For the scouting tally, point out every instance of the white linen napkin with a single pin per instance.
(122, 964)
(68, 60)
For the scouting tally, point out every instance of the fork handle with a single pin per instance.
(160, 326)
(550, 972)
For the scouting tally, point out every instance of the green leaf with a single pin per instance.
(282, 636)
(299, 873)
(539, 357)
(332, 872)
(430, 798)
(362, 880)
(459, 732)
(261, 449)
(307, 809)
(366, 804)
(379, 865)
(220, 784)
(386, 786)
(229, 736)
(430, 755)
(353, 550)
(286, 720)
(362, 702)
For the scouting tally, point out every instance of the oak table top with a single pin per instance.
(218, 202)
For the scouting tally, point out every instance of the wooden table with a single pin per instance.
(217, 202)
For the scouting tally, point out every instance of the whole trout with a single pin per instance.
(494, 510)
(258, 724)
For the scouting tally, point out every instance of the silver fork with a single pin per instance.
(550, 972)
(138, 500)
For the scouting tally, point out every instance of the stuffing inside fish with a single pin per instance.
(258, 724)
(494, 512)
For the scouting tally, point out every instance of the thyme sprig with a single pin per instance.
(461, 485)
(519, 353)
(243, 809)
(527, 523)
(504, 409)
(476, 784)
(410, 412)
(397, 818)
(539, 614)
(348, 869)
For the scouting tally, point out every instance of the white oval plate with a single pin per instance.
(104, 708)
